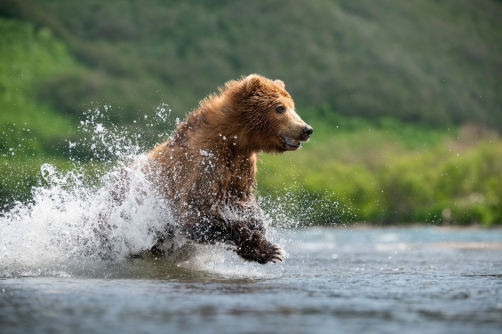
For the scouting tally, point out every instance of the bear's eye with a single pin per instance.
(280, 109)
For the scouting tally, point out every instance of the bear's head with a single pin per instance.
(266, 113)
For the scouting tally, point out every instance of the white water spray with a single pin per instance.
(57, 228)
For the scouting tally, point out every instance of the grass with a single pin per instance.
(28, 56)
(358, 172)
(375, 174)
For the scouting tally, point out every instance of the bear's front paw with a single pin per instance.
(258, 249)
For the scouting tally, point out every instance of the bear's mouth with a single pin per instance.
(290, 143)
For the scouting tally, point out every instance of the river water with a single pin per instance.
(333, 280)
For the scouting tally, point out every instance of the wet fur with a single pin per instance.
(207, 169)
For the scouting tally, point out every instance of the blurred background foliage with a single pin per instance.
(404, 96)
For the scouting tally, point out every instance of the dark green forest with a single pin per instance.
(401, 93)
(437, 62)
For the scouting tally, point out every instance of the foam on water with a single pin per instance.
(55, 233)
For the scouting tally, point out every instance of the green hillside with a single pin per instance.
(27, 124)
(388, 172)
(435, 62)
(404, 96)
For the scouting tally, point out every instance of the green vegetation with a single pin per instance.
(29, 56)
(404, 96)
(387, 173)
(430, 61)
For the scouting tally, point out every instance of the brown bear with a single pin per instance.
(207, 168)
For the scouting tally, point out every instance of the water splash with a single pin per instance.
(57, 228)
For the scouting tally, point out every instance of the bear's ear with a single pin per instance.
(280, 84)
(251, 84)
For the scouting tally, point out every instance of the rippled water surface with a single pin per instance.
(410, 280)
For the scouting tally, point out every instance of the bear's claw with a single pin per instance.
(258, 249)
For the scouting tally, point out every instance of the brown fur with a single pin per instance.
(208, 167)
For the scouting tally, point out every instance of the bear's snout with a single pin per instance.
(307, 131)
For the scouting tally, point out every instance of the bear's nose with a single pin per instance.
(307, 131)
